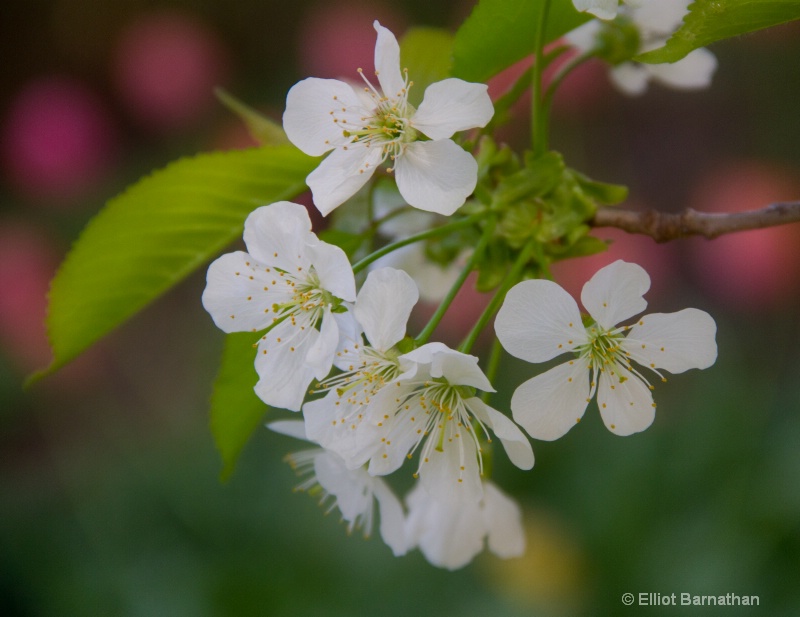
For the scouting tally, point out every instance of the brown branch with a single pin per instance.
(665, 226)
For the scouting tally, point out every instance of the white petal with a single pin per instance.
(385, 438)
(689, 73)
(292, 428)
(514, 441)
(234, 294)
(432, 279)
(353, 497)
(449, 534)
(392, 518)
(387, 62)
(631, 78)
(676, 342)
(603, 9)
(458, 368)
(319, 356)
(342, 174)
(284, 376)
(539, 321)
(625, 402)
(550, 404)
(384, 305)
(312, 105)
(436, 176)
(333, 269)
(276, 235)
(452, 473)
(660, 18)
(453, 105)
(584, 37)
(504, 522)
(615, 293)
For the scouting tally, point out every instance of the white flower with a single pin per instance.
(450, 533)
(432, 279)
(432, 406)
(364, 129)
(540, 321)
(354, 492)
(603, 9)
(288, 283)
(382, 309)
(656, 21)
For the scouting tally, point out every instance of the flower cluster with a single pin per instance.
(370, 396)
(652, 22)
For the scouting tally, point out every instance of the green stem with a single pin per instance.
(512, 278)
(431, 233)
(492, 366)
(456, 286)
(561, 76)
(538, 124)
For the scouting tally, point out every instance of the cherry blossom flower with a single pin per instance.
(353, 492)
(432, 406)
(366, 128)
(382, 308)
(450, 533)
(655, 21)
(540, 321)
(287, 284)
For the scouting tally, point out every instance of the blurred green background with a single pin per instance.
(109, 491)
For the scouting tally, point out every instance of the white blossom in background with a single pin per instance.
(382, 309)
(656, 21)
(431, 407)
(399, 221)
(287, 283)
(450, 533)
(540, 321)
(603, 9)
(366, 128)
(353, 492)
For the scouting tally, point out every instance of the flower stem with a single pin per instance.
(538, 120)
(456, 286)
(512, 278)
(492, 366)
(547, 99)
(430, 233)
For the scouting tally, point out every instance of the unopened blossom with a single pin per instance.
(540, 321)
(287, 285)
(381, 310)
(656, 21)
(450, 533)
(377, 124)
(432, 408)
(353, 492)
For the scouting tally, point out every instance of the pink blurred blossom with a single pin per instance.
(166, 66)
(338, 37)
(752, 270)
(656, 259)
(58, 140)
(27, 262)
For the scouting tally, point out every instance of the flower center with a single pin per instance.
(603, 348)
(370, 372)
(389, 124)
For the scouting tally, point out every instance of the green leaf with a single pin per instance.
(498, 33)
(427, 53)
(158, 231)
(713, 20)
(262, 129)
(236, 411)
